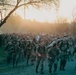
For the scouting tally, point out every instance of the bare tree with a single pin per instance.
(73, 23)
(62, 25)
(18, 3)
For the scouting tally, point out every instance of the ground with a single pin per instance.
(22, 69)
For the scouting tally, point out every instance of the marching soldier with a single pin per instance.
(63, 54)
(52, 56)
(28, 51)
(63, 60)
(34, 47)
(8, 49)
(41, 54)
(15, 54)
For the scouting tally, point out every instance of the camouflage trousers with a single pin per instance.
(40, 61)
(50, 64)
(15, 59)
(62, 64)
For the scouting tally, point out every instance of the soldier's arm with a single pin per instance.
(37, 51)
(48, 54)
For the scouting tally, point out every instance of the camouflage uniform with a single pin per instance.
(33, 56)
(22, 49)
(15, 54)
(28, 51)
(63, 60)
(41, 53)
(8, 49)
(63, 55)
(53, 53)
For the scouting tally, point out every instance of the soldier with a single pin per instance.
(33, 56)
(41, 54)
(8, 49)
(15, 53)
(22, 48)
(28, 51)
(63, 54)
(52, 56)
(63, 60)
(71, 48)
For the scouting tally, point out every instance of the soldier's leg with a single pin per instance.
(55, 67)
(24, 53)
(8, 59)
(61, 64)
(64, 64)
(37, 64)
(50, 66)
(42, 66)
(14, 59)
(32, 59)
(27, 59)
(17, 59)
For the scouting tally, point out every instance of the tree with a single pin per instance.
(62, 25)
(19, 3)
(73, 23)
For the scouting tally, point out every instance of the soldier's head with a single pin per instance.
(54, 45)
(34, 40)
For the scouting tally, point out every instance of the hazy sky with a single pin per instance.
(66, 9)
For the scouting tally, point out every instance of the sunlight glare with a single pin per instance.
(42, 15)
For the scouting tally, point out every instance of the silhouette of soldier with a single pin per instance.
(41, 54)
(63, 54)
(15, 53)
(8, 49)
(52, 56)
(28, 51)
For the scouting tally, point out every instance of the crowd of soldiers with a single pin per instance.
(38, 48)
